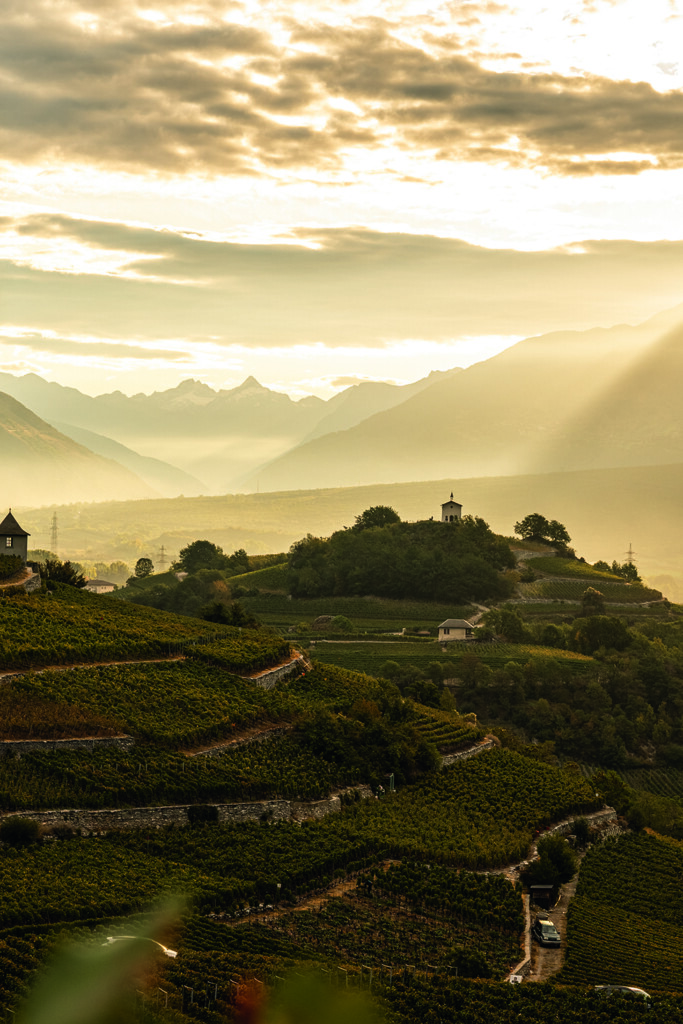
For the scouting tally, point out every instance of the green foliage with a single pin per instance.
(55, 571)
(420, 560)
(509, 625)
(19, 831)
(600, 631)
(556, 863)
(200, 554)
(10, 565)
(244, 651)
(229, 614)
(575, 568)
(144, 567)
(376, 517)
(592, 602)
(537, 528)
(625, 920)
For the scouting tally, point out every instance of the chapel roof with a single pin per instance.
(9, 527)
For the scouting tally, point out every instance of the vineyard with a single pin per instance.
(139, 777)
(569, 590)
(370, 658)
(573, 568)
(474, 814)
(245, 651)
(666, 782)
(71, 626)
(185, 703)
(624, 924)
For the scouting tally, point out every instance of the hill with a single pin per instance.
(532, 408)
(604, 510)
(164, 478)
(43, 464)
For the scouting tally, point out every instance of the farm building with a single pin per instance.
(100, 586)
(455, 629)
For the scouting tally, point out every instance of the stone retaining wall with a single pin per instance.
(158, 817)
(465, 755)
(8, 747)
(229, 745)
(268, 679)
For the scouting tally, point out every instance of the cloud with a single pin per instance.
(121, 91)
(91, 348)
(337, 287)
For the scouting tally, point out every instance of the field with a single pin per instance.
(370, 656)
(625, 920)
(373, 614)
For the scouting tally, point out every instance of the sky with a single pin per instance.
(316, 193)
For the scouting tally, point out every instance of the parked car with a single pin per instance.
(545, 932)
(111, 939)
(628, 991)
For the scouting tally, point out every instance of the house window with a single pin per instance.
(446, 630)
(8, 542)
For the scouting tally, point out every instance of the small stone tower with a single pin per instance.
(13, 540)
(451, 511)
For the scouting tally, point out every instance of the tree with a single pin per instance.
(592, 602)
(532, 527)
(144, 567)
(537, 527)
(201, 554)
(378, 515)
(62, 572)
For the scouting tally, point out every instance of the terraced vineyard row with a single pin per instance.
(568, 590)
(72, 626)
(139, 777)
(625, 920)
(173, 704)
(661, 781)
(444, 733)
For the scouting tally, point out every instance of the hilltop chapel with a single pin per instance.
(13, 540)
(451, 511)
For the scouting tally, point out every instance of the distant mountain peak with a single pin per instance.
(250, 384)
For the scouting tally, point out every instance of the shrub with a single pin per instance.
(19, 831)
(202, 814)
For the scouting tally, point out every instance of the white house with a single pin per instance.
(451, 511)
(100, 586)
(455, 629)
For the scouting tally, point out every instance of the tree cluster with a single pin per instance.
(424, 561)
(547, 531)
(624, 708)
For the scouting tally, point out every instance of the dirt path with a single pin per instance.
(546, 961)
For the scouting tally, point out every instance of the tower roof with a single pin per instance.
(9, 527)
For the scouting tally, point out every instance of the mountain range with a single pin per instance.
(39, 462)
(191, 439)
(597, 399)
(564, 401)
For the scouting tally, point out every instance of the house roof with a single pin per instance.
(9, 527)
(456, 624)
(99, 583)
